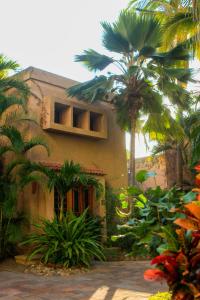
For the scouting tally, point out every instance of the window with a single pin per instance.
(77, 201)
(81, 199)
(95, 121)
(70, 117)
(61, 114)
(79, 118)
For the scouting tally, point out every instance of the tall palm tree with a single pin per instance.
(144, 73)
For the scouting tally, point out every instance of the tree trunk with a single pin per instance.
(179, 166)
(132, 153)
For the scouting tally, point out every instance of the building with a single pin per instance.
(74, 130)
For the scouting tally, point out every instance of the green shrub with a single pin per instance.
(72, 241)
(149, 214)
(161, 296)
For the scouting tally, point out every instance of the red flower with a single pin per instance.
(163, 259)
(196, 234)
(154, 275)
(197, 168)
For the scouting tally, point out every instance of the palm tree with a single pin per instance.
(144, 73)
(70, 176)
(184, 140)
(180, 19)
(13, 95)
(20, 90)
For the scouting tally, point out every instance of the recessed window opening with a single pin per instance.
(60, 113)
(95, 121)
(79, 118)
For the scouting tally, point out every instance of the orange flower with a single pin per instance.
(154, 275)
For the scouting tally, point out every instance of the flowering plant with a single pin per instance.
(181, 267)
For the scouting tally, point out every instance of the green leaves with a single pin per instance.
(190, 196)
(93, 60)
(74, 241)
(143, 175)
(92, 90)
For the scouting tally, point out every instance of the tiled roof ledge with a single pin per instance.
(57, 166)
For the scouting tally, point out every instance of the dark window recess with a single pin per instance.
(60, 113)
(76, 204)
(57, 203)
(95, 121)
(78, 117)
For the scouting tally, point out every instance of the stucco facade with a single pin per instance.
(74, 130)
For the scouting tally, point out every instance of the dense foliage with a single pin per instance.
(148, 217)
(180, 266)
(72, 241)
(13, 148)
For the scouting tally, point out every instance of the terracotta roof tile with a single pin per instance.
(57, 166)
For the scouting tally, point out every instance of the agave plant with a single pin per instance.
(72, 241)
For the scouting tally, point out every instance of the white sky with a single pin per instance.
(48, 34)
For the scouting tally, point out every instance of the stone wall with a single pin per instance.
(158, 165)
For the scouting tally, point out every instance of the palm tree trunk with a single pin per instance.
(61, 208)
(132, 152)
(179, 166)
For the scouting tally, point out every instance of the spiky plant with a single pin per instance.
(72, 241)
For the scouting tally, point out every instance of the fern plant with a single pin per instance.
(72, 241)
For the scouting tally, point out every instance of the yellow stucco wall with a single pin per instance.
(107, 154)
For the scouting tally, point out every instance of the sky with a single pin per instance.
(47, 34)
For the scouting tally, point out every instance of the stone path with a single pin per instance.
(106, 281)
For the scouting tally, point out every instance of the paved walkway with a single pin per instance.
(107, 281)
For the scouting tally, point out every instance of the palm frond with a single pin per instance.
(179, 53)
(113, 40)
(162, 127)
(35, 141)
(92, 90)
(7, 65)
(131, 33)
(180, 26)
(183, 75)
(160, 148)
(11, 83)
(177, 94)
(93, 60)
(14, 137)
(152, 101)
(13, 164)
(5, 149)
(6, 101)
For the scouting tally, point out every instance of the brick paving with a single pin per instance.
(105, 281)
